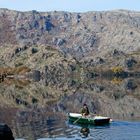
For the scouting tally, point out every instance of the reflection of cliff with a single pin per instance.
(33, 123)
(119, 100)
(18, 83)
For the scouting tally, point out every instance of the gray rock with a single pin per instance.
(34, 50)
(71, 68)
(131, 85)
(58, 41)
(36, 75)
(130, 62)
(5, 132)
(99, 60)
(17, 50)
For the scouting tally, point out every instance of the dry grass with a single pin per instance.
(12, 71)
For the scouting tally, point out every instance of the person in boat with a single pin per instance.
(85, 110)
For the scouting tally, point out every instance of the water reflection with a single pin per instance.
(38, 109)
(85, 131)
(18, 83)
(40, 123)
(118, 100)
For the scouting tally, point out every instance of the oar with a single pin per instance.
(77, 120)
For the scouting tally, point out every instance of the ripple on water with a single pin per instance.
(117, 130)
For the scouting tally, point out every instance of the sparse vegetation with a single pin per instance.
(117, 69)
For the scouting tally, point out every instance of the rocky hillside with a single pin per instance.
(103, 39)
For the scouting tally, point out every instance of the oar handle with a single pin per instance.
(77, 120)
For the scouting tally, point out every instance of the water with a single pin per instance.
(117, 130)
(38, 110)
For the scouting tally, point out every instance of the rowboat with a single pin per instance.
(93, 120)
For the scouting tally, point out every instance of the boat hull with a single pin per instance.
(89, 120)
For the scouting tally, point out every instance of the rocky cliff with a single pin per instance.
(103, 39)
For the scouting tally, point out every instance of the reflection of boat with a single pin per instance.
(93, 120)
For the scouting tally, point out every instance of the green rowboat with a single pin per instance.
(93, 120)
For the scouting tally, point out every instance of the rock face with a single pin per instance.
(77, 34)
(93, 39)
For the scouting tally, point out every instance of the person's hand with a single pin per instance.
(83, 114)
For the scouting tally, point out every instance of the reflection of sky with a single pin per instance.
(70, 5)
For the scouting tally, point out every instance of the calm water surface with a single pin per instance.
(117, 130)
(37, 111)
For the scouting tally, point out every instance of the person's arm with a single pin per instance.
(81, 110)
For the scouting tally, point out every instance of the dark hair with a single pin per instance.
(84, 104)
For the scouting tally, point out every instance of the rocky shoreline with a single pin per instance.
(5, 132)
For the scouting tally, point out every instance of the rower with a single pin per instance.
(85, 110)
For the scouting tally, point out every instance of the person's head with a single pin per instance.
(84, 105)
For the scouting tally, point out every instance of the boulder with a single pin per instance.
(130, 62)
(36, 75)
(99, 60)
(34, 50)
(71, 67)
(5, 132)
(131, 85)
